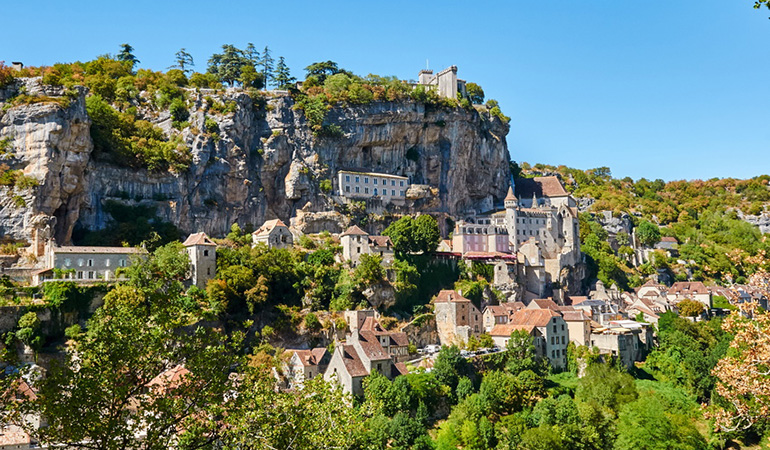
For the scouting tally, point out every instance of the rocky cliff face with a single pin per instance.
(263, 163)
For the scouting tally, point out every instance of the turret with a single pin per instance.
(511, 211)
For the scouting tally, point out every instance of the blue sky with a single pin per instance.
(658, 89)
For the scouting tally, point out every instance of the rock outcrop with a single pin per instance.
(264, 162)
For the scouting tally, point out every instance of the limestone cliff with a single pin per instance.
(263, 162)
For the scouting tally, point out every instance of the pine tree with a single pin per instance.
(252, 54)
(184, 61)
(283, 78)
(126, 54)
(267, 67)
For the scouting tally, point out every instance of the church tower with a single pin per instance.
(511, 218)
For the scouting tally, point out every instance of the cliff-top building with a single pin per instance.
(446, 82)
(365, 185)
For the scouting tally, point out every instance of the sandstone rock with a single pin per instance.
(381, 296)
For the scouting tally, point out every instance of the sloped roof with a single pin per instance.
(169, 379)
(447, 296)
(398, 338)
(98, 250)
(380, 241)
(575, 316)
(312, 357)
(198, 239)
(540, 186)
(269, 226)
(497, 310)
(14, 437)
(399, 369)
(510, 195)
(688, 287)
(543, 303)
(352, 361)
(370, 344)
(354, 231)
(506, 329)
(536, 317)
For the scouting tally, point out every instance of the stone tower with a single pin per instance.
(511, 207)
(203, 258)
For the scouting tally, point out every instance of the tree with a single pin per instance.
(126, 54)
(475, 93)
(742, 373)
(183, 61)
(283, 78)
(369, 271)
(690, 308)
(413, 235)
(321, 70)
(648, 233)
(267, 63)
(227, 66)
(250, 78)
(644, 425)
(520, 352)
(606, 387)
(450, 366)
(252, 54)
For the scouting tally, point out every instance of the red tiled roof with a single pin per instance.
(352, 361)
(575, 316)
(399, 369)
(668, 239)
(506, 329)
(198, 239)
(9, 437)
(578, 299)
(169, 379)
(268, 226)
(398, 338)
(447, 295)
(311, 357)
(540, 186)
(380, 241)
(544, 303)
(497, 310)
(371, 346)
(354, 231)
(688, 287)
(536, 317)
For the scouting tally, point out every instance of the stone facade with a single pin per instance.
(203, 258)
(356, 242)
(445, 82)
(539, 225)
(457, 318)
(365, 185)
(85, 264)
(274, 234)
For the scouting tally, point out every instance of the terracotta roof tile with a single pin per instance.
(268, 226)
(575, 316)
(506, 329)
(380, 241)
(354, 231)
(543, 303)
(371, 346)
(536, 317)
(540, 186)
(447, 295)
(198, 239)
(352, 362)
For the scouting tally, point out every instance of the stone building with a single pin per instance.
(368, 347)
(499, 314)
(356, 242)
(365, 185)
(274, 234)
(539, 225)
(445, 82)
(457, 318)
(552, 327)
(85, 264)
(203, 258)
(305, 365)
(693, 290)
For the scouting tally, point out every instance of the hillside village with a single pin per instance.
(381, 285)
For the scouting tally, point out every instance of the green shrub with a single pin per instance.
(326, 186)
(211, 125)
(311, 322)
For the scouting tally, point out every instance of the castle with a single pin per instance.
(446, 82)
(530, 241)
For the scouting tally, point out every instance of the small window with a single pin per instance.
(208, 271)
(80, 274)
(375, 181)
(80, 262)
(358, 250)
(366, 180)
(107, 262)
(366, 190)
(375, 189)
(401, 184)
(357, 189)
(384, 182)
(90, 263)
(347, 178)
(347, 188)
(205, 253)
(402, 194)
(357, 179)
(392, 182)
(393, 192)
